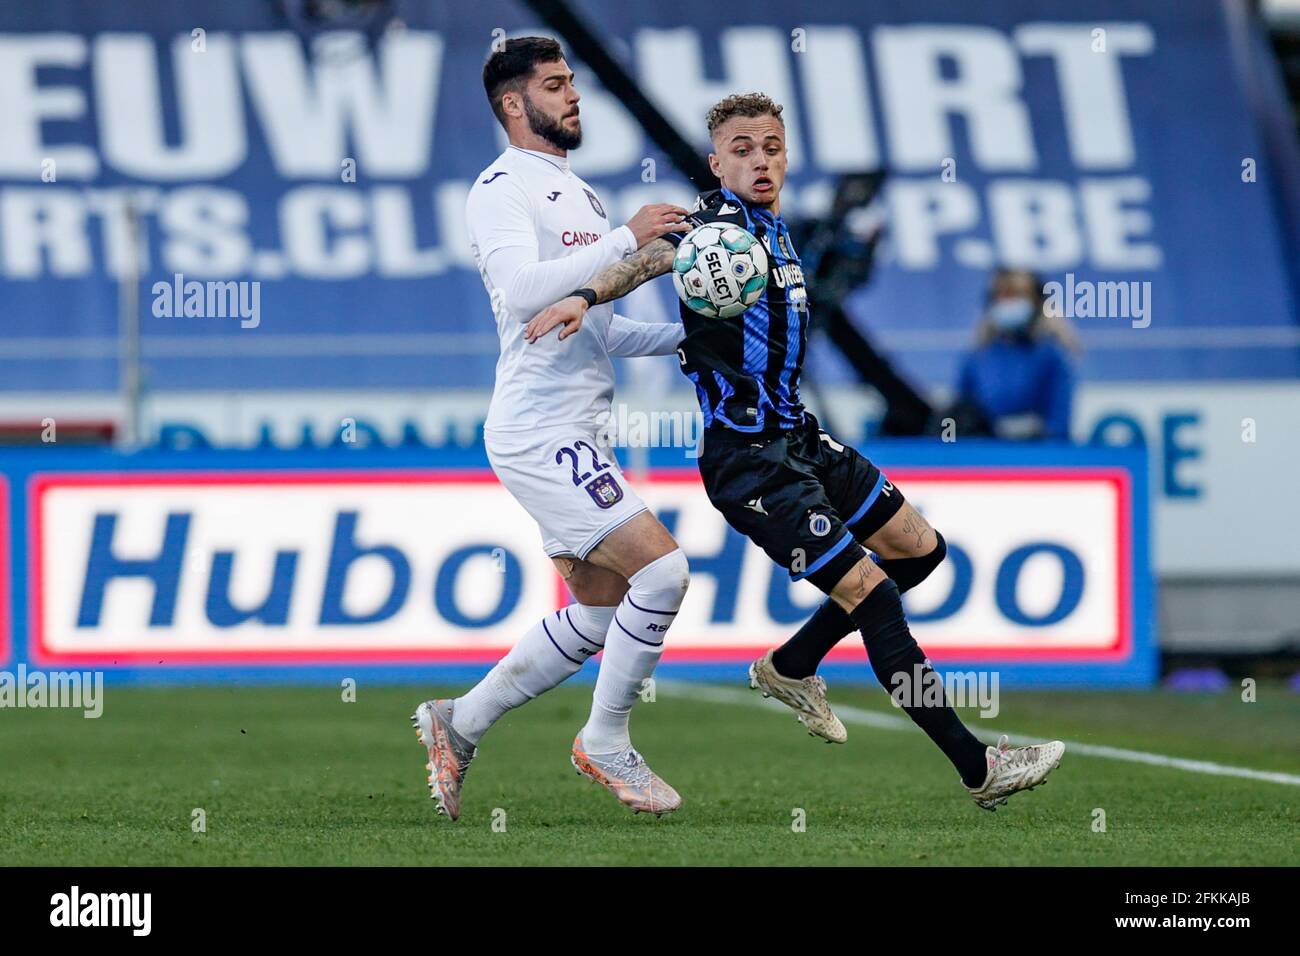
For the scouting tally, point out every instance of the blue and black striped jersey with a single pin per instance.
(746, 369)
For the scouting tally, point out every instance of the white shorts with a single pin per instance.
(568, 479)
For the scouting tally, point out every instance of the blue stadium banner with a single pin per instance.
(1121, 151)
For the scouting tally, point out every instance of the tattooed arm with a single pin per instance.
(651, 260)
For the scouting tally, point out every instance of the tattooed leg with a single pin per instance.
(906, 535)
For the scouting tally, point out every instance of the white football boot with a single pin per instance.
(806, 697)
(449, 754)
(628, 777)
(1014, 769)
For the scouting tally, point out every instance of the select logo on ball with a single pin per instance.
(720, 270)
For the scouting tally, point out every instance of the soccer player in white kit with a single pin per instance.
(539, 232)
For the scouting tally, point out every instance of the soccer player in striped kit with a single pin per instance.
(812, 503)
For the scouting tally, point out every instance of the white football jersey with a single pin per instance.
(540, 232)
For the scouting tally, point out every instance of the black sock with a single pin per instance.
(907, 573)
(803, 652)
(798, 657)
(898, 661)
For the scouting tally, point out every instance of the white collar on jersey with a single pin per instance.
(559, 162)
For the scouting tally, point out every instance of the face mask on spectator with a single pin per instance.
(1011, 315)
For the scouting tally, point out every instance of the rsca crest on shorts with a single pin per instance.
(605, 491)
(595, 204)
(820, 525)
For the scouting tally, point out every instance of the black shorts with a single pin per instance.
(801, 496)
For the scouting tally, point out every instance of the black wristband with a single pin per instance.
(587, 294)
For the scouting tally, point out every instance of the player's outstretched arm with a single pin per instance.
(653, 259)
(630, 338)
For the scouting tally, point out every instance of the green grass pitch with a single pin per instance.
(293, 776)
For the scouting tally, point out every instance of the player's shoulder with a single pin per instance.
(716, 206)
(499, 180)
(502, 171)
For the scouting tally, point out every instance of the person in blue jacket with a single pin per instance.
(1018, 381)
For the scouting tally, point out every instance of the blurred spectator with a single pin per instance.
(1018, 381)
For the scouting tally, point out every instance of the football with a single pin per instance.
(720, 270)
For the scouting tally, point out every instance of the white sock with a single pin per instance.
(552, 651)
(633, 646)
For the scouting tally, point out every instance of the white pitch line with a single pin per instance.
(871, 718)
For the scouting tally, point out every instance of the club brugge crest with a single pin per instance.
(605, 491)
(600, 211)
